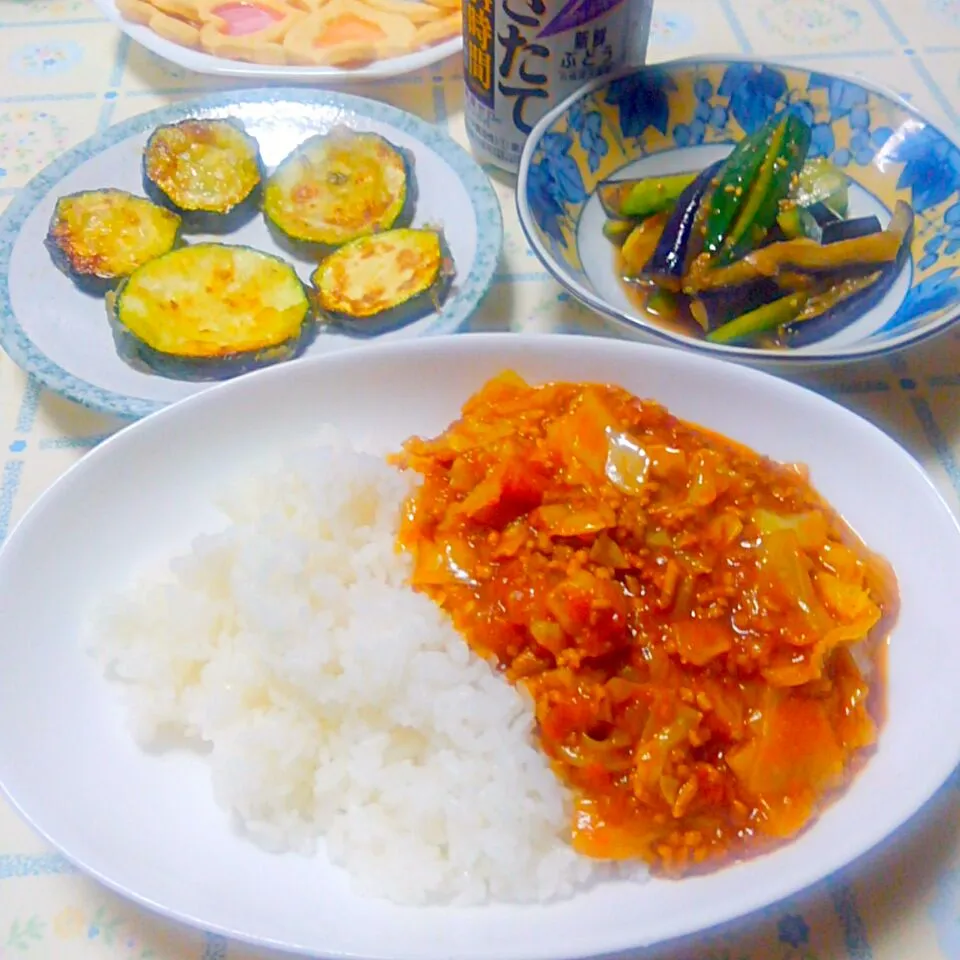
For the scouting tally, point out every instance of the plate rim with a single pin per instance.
(533, 343)
(862, 350)
(456, 313)
(198, 61)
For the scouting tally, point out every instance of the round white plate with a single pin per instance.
(217, 66)
(52, 330)
(148, 826)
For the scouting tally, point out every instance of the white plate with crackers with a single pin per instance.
(333, 41)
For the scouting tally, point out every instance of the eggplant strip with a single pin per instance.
(713, 308)
(821, 317)
(808, 315)
(831, 298)
(771, 316)
(640, 245)
(669, 260)
(806, 256)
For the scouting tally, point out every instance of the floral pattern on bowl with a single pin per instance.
(682, 116)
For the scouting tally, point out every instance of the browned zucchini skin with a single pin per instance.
(144, 358)
(85, 282)
(430, 301)
(207, 221)
(315, 252)
(141, 357)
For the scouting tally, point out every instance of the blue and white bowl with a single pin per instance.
(683, 116)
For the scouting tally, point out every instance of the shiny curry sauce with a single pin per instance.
(698, 630)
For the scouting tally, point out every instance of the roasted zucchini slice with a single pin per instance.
(379, 282)
(208, 171)
(98, 237)
(210, 311)
(337, 187)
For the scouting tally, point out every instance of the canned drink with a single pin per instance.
(522, 57)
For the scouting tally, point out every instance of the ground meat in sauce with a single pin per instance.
(681, 609)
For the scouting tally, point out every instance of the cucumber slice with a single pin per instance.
(642, 198)
(771, 316)
(820, 181)
(785, 156)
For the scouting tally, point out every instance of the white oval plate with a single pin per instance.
(148, 826)
(52, 330)
(201, 62)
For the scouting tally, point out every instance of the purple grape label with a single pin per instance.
(576, 13)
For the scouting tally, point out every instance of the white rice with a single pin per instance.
(335, 702)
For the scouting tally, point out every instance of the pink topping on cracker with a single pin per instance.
(245, 18)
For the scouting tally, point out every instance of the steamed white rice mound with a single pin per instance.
(336, 703)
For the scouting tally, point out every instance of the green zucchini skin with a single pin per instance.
(215, 224)
(409, 211)
(231, 216)
(421, 304)
(142, 356)
(85, 283)
(147, 360)
(286, 236)
(85, 276)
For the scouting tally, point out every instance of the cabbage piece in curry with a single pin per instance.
(698, 630)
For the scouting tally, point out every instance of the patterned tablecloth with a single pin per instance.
(66, 73)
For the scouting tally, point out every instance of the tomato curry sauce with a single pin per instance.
(681, 610)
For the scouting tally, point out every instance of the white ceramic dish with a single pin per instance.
(148, 826)
(201, 62)
(62, 336)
